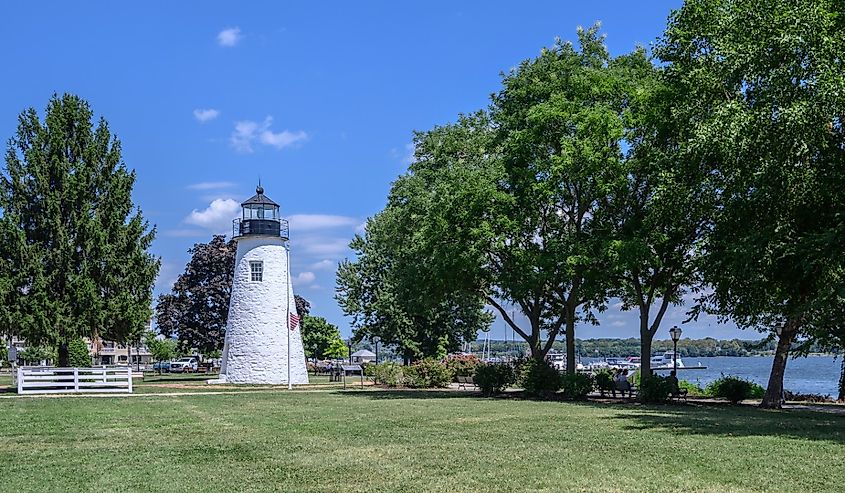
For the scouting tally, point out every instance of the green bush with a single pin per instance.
(757, 390)
(576, 386)
(33, 355)
(539, 379)
(604, 380)
(428, 373)
(693, 389)
(463, 364)
(494, 378)
(655, 389)
(733, 389)
(78, 356)
(388, 373)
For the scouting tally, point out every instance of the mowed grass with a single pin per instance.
(373, 440)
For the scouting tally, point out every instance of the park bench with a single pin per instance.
(631, 389)
(463, 381)
(681, 394)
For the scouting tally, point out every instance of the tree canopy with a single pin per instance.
(74, 259)
(320, 338)
(762, 95)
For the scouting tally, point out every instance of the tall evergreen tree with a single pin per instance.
(73, 246)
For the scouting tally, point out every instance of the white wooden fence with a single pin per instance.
(47, 380)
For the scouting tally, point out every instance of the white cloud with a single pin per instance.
(167, 275)
(185, 233)
(229, 37)
(248, 132)
(217, 217)
(324, 265)
(618, 323)
(304, 278)
(282, 139)
(325, 248)
(211, 185)
(205, 115)
(312, 222)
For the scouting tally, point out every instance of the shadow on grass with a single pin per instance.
(179, 378)
(680, 419)
(387, 394)
(736, 421)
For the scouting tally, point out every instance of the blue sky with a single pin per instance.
(319, 100)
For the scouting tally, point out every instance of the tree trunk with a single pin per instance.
(64, 356)
(570, 345)
(842, 381)
(774, 391)
(645, 351)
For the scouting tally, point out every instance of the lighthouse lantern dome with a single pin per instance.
(260, 217)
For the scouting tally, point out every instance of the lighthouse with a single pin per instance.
(263, 342)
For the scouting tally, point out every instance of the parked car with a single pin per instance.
(185, 365)
(161, 366)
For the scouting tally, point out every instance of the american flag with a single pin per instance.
(294, 321)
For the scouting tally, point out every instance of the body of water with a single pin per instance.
(810, 375)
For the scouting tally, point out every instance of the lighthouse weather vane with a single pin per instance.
(262, 344)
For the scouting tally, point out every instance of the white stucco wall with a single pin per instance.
(255, 349)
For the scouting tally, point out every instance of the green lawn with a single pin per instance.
(408, 441)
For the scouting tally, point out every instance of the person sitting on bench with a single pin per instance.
(675, 388)
(621, 383)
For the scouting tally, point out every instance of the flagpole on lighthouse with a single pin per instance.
(290, 385)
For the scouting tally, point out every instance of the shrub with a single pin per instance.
(604, 380)
(494, 378)
(78, 355)
(731, 388)
(576, 386)
(655, 389)
(388, 373)
(693, 389)
(757, 390)
(539, 379)
(792, 396)
(427, 373)
(517, 364)
(463, 364)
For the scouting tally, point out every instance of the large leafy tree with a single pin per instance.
(319, 337)
(74, 258)
(502, 206)
(386, 290)
(197, 308)
(659, 214)
(763, 86)
(554, 158)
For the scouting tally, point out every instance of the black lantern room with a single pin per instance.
(260, 217)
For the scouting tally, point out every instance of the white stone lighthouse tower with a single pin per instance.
(263, 342)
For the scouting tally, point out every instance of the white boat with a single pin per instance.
(665, 361)
(630, 363)
(558, 361)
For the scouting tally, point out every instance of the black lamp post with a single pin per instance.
(675, 332)
(349, 345)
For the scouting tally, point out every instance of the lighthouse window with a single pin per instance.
(256, 270)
